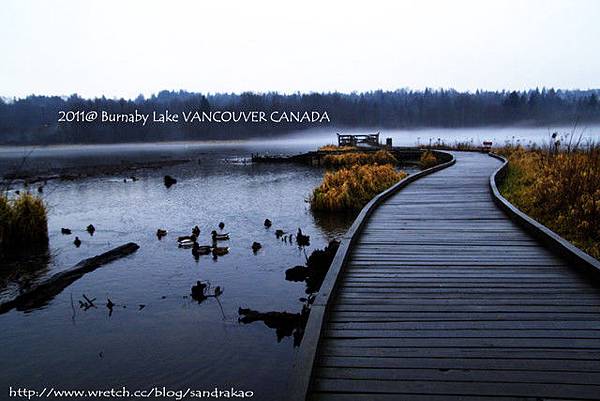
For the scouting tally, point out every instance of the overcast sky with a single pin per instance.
(123, 48)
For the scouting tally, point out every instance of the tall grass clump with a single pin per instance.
(559, 187)
(336, 148)
(428, 159)
(351, 158)
(353, 187)
(23, 224)
(5, 221)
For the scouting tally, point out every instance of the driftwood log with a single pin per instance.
(45, 290)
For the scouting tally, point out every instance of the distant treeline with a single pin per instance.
(34, 120)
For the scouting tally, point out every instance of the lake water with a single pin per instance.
(172, 340)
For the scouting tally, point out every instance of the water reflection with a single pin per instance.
(312, 274)
(18, 274)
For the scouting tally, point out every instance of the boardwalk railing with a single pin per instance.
(541, 232)
(303, 367)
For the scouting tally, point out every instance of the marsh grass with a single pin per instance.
(5, 222)
(336, 148)
(558, 185)
(428, 159)
(456, 145)
(23, 224)
(353, 187)
(352, 158)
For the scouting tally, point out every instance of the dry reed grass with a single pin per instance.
(351, 158)
(560, 187)
(23, 224)
(353, 187)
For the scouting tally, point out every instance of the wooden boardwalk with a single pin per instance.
(445, 298)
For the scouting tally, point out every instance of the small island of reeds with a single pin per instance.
(428, 159)
(23, 224)
(360, 175)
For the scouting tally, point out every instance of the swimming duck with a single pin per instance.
(186, 243)
(198, 250)
(196, 231)
(169, 181)
(256, 246)
(192, 238)
(220, 251)
(268, 223)
(77, 242)
(161, 233)
(279, 233)
(65, 231)
(90, 229)
(198, 291)
(221, 225)
(301, 239)
(219, 237)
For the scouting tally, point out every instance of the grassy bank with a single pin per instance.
(353, 187)
(336, 148)
(360, 158)
(23, 224)
(559, 187)
(428, 159)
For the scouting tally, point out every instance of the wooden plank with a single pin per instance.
(465, 334)
(473, 342)
(472, 325)
(570, 391)
(329, 348)
(468, 308)
(376, 316)
(527, 374)
(444, 364)
(413, 397)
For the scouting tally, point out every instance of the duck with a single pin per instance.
(220, 251)
(198, 291)
(77, 242)
(169, 181)
(65, 231)
(219, 237)
(192, 238)
(198, 250)
(302, 239)
(186, 243)
(199, 288)
(221, 225)
(90, 229)
(256, 246)
(196, 231)
(161, 233)
(268, 223)
(279, 233)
